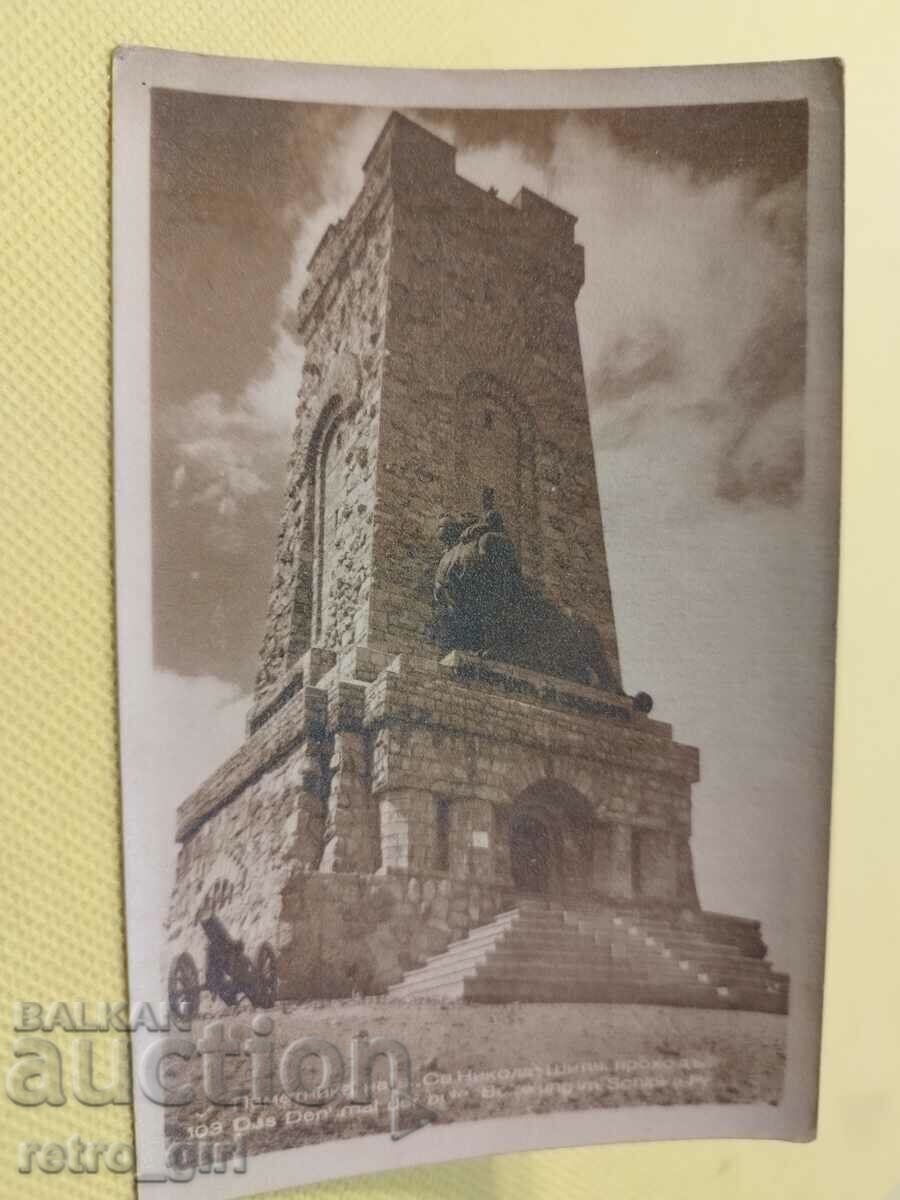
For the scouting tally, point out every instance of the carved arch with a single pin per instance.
(553, 820)
(341, 388)
(496, 451)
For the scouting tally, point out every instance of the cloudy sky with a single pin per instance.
(693, 335)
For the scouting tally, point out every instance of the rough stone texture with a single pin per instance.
(328, 850)
(389, 798)
(442, 359)
(320, 587)
(483, 389)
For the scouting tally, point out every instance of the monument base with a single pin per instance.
(385, 810)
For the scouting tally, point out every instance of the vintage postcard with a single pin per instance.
(477, 487)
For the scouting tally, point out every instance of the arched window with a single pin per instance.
(314, 527)
(329, 493)
(494, 454)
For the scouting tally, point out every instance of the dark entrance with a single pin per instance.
(530, 854)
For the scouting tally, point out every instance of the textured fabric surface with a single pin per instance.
(61, 879)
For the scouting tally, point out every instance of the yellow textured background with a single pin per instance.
(60, 895)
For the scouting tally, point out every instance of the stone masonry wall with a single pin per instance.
(354, 912)
(333, 934)
(439, 322)
(343, 327)
(481, 296)
(241, 858)
(619, 781)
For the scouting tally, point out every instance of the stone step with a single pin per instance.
(734, 978)
(758, 1000)
(459, 959)
(700, 958)
(451, 991)
(563, 952)
(481, 933)
(510, 964)
(728, 928)
(573, 972)
(546, 921)
(639, 948)
(507, 917)
(506, 920)
(468, 946)
(659, 968)
(701, 952)
(537, 944)
(713, 962)
(718, 968)
(711, 934)
(505, 958)
(620, 988)
(542, 951)
(685, 945)
(462, 964)
(461, 956)
(743, 976)
(510, 951)
(600, 928)
(696, 953)
(535, 937)
(721, 920)
(698, 942)
(548, 990)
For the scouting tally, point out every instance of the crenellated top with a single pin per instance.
(417, 166)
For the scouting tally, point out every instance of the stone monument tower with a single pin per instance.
(441, 767)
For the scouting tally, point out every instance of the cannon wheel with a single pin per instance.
(266, 977)
(184, 986)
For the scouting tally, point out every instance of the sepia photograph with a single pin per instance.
(477, 498)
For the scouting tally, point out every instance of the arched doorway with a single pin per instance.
(530, 854)
(550, 841)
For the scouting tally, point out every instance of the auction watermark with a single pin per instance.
(220, 1065)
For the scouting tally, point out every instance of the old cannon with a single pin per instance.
(230, 974)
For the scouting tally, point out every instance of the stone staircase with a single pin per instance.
(541, 951)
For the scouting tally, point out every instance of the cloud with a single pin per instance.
(342, 178)
(220, 455)
(223, 455)
(229, 451)
(693, 301)
(638, 359)
(691, 322)
(765, 459)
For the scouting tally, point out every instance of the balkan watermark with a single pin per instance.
(224, 1065)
